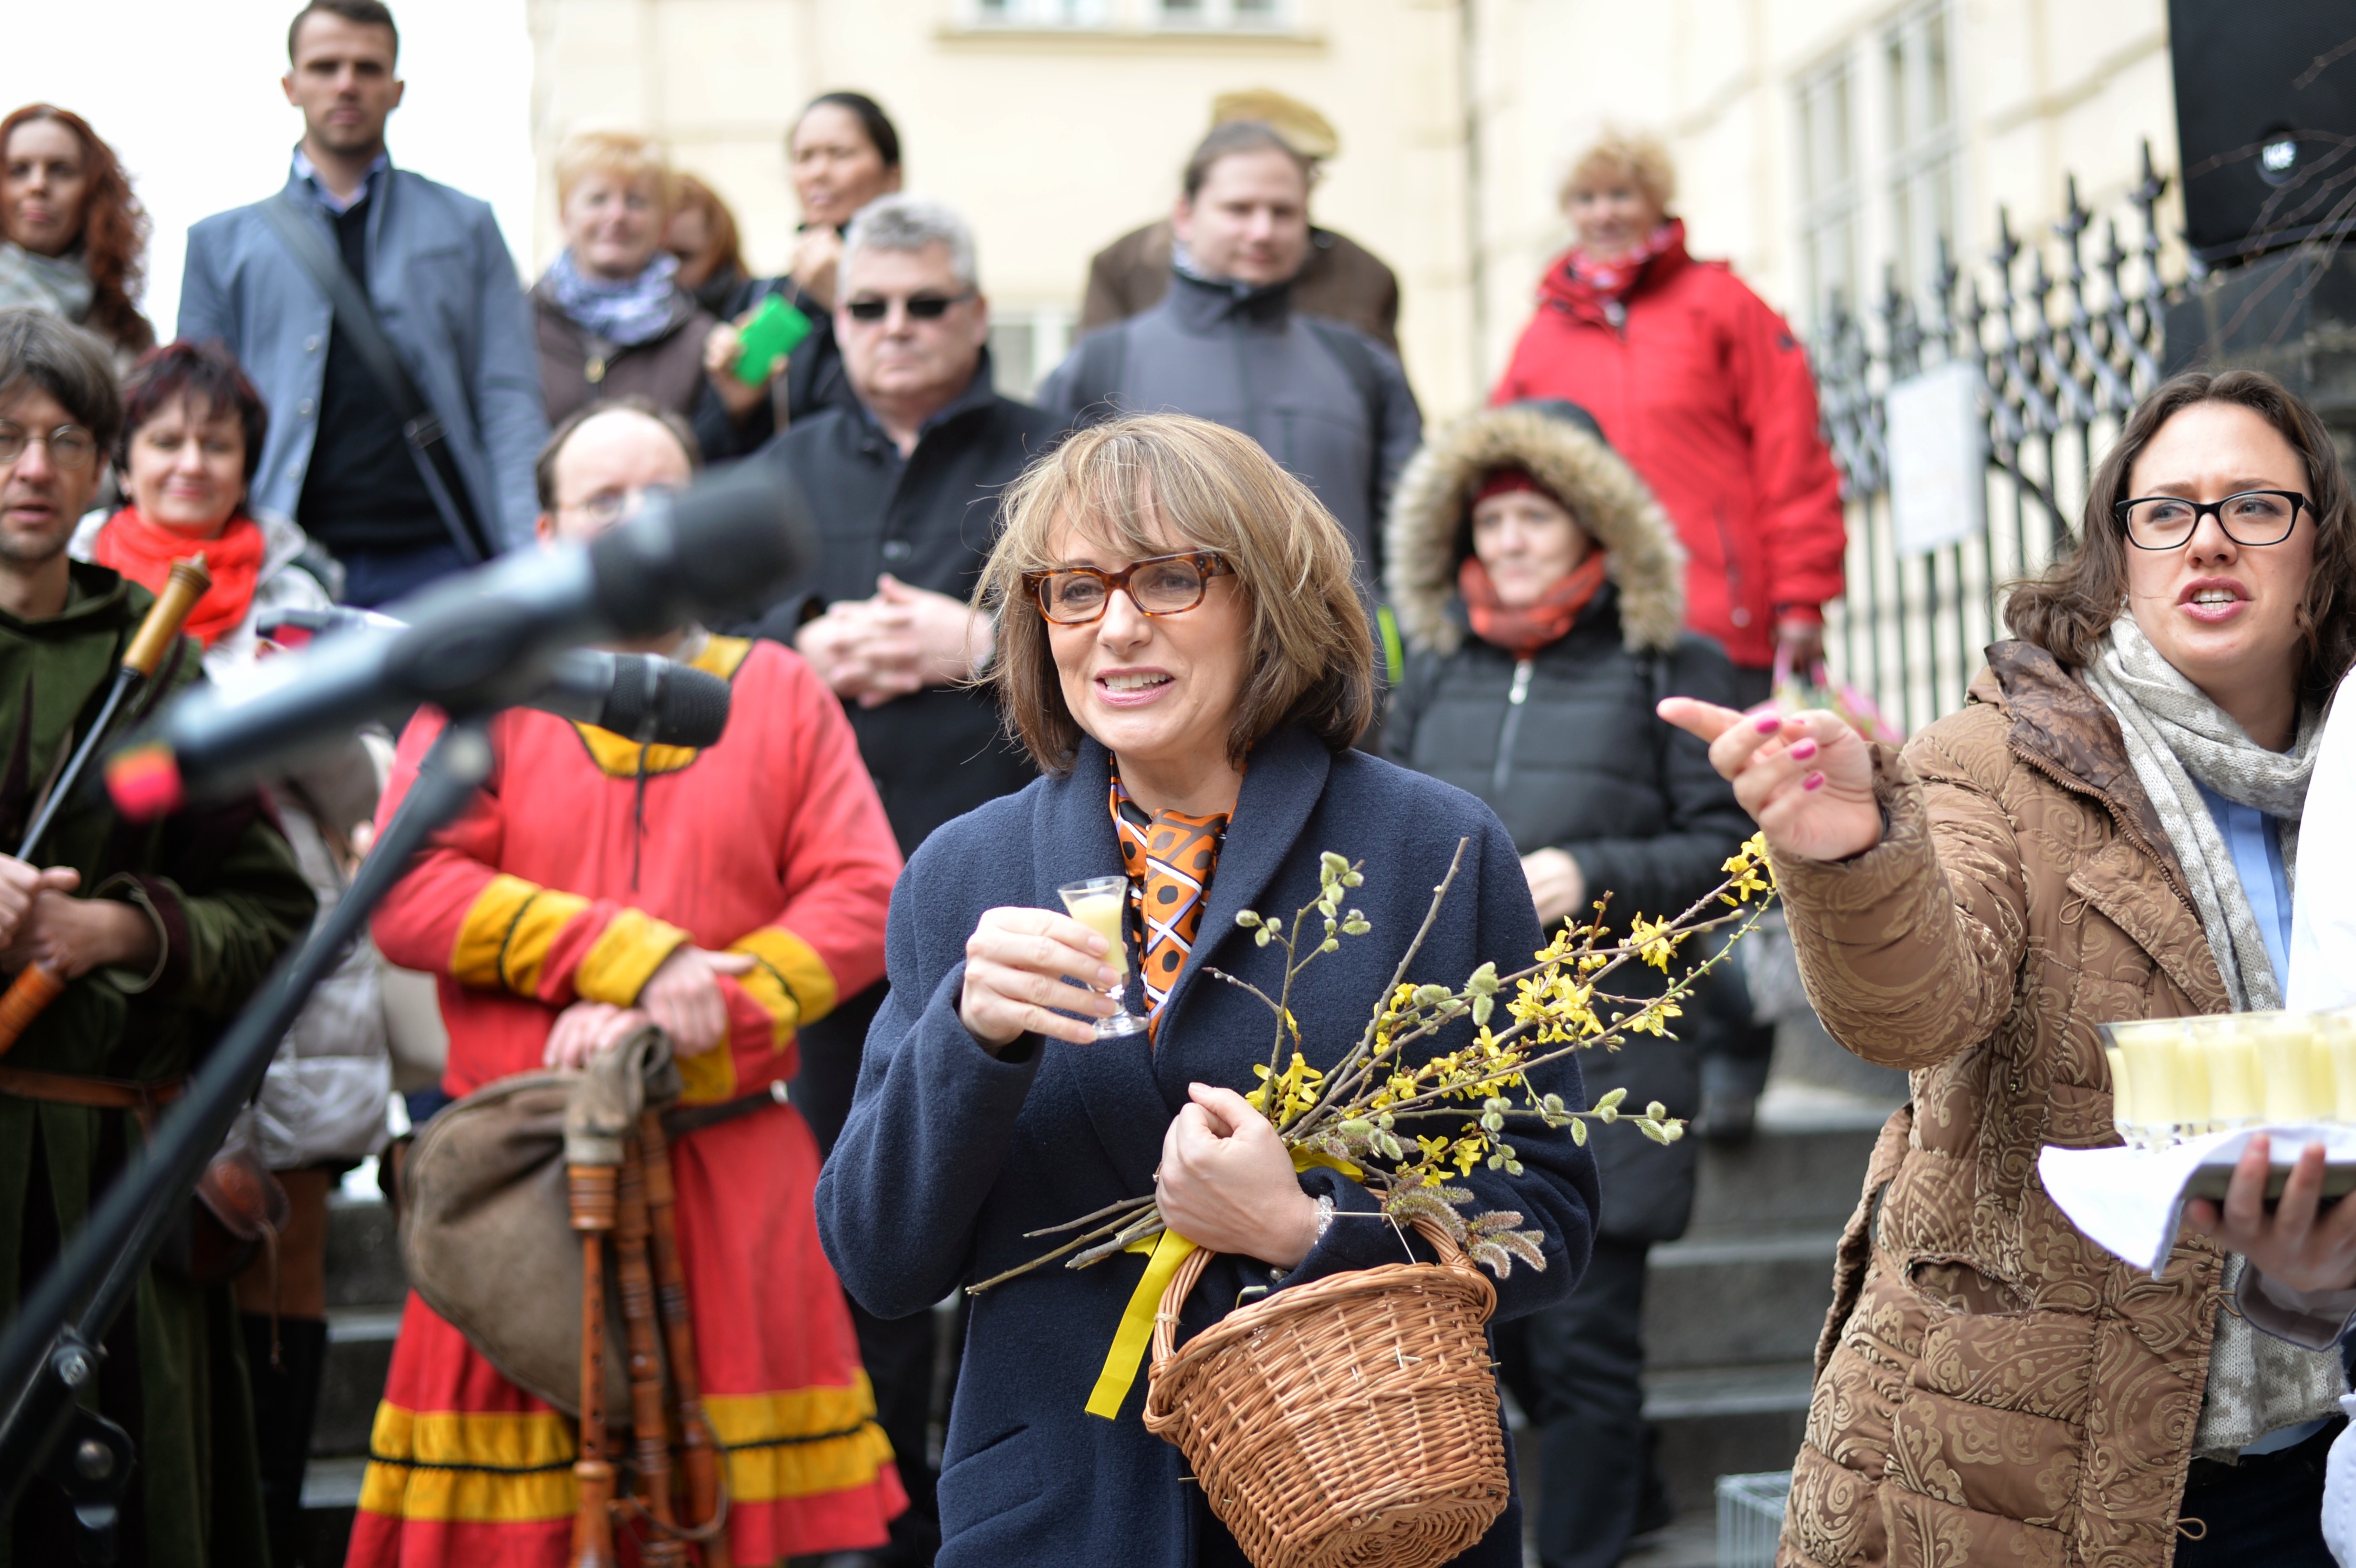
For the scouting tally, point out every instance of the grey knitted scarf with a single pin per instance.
(2175, 734)
(55, 285)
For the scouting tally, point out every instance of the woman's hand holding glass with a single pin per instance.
(1226, 1181)
(1016, 963)
(1806, 779)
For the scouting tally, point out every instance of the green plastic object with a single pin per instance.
(776, 330)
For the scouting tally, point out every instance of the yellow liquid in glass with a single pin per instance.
(1103, 916)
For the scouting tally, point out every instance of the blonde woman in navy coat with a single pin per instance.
(1204, 673)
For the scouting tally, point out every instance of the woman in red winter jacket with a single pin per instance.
(1706, 393)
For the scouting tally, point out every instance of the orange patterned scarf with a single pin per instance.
(1169, 857)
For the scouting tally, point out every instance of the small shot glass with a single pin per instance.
(1101, 904)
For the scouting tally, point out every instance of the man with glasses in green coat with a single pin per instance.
(161, 929)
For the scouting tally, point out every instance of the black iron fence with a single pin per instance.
(2062, 343)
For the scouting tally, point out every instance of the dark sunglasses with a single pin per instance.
(919, 306)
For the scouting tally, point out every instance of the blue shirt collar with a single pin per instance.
(308, 173)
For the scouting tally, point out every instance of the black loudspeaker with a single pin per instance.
(2266, 123)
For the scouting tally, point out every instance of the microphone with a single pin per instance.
(216, 740)
(641, 696)
(486, 641)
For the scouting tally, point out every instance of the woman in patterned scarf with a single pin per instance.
(609, 316)
(2109, 831)
(1180, 647)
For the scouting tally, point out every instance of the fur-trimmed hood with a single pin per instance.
(1434, 491)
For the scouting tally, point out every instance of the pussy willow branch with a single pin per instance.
(1125, 1205)
(1345, 1090)
(1134, 1220)
(1439, 897)
(1616, 1035)
(1353, 1074)
(1294, 964)
(1215, 972)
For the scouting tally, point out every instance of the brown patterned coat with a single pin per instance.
(1991, 1386)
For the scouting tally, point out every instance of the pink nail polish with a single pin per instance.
(1805, 750)
(1770, 722)
(1813, 781)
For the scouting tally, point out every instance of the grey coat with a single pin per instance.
(1324, 400)
(446, 292)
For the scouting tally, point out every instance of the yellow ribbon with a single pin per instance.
(1163, 1254)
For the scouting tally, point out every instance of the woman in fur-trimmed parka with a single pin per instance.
(1538, 585)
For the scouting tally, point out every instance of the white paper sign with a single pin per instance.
(1938, 459)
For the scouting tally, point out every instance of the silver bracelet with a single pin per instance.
(1325, 1217)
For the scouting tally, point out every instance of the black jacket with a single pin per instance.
(1567, 750)
(815, 378)
(929, 521)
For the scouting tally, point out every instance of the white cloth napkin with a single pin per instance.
(2127, 1201)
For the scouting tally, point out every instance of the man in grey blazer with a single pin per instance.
(340, 459)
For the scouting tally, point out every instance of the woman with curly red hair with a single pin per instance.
(73, 239)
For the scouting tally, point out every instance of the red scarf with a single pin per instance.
(1615, 277)
(144, 551)
(1522, 629)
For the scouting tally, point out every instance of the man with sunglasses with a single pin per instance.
(905, 486)
(160, 929)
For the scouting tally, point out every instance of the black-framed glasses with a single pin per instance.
(1157, 585)
(2250, 517)
(70, 447)
(919, 306)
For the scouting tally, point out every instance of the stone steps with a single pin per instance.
(1733, 1310)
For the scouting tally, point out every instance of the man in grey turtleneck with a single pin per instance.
(1324, 400)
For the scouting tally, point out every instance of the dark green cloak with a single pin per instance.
(227, 899)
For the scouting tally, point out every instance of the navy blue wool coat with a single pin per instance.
(950, 1154)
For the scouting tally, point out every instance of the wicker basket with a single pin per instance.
(1351, 1423)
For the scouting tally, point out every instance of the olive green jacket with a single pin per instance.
(226, 900)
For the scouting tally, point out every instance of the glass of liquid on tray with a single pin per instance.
(1100, 904)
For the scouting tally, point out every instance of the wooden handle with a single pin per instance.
(700, 1459)
(590, 1192)
(167, 615)
(650, 1425)
(32, 991)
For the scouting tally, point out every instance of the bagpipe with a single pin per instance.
(555, 1187)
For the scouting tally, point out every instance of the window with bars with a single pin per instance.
(1830, 188)
(1925, 144)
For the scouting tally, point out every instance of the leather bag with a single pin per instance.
(485, 1229)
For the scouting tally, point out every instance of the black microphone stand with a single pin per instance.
(51, 1351)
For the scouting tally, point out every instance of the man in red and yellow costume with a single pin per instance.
(731, 896)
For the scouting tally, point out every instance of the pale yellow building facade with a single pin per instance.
(1816, 142)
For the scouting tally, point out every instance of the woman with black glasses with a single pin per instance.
(2108, 833)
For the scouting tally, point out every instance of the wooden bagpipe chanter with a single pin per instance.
(552, 1188)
